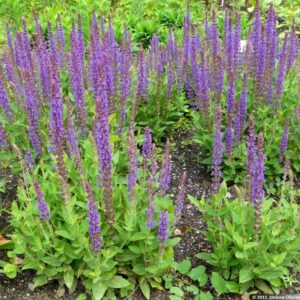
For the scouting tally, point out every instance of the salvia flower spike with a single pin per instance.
(217, 151)
(94, 220)
(42, 205)
(163, 227)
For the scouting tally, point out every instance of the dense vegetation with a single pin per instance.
(88, 108)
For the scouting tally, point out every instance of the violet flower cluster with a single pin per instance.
(133, 165)
(284, 140)
(180, 197)
(94, 219)
(165, 173)
(163, 226)
(217, 151)
(41, 203)
(147, 146)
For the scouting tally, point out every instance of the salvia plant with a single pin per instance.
(94, 205)
(246, 73)
(254, 245)
(254, 237)
(108, 228)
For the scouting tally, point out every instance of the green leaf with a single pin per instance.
(232, 287)
(192, 289)
(175, 297)
(173, 242)
(138, 236)
(98, 290)
(184, 266)
(145, 288)
(206, 296)
(10, 270)
(199, 274)
(238, 239)
(246, 274)
(250, 245)
(65, 234)
(118, 282)
(218, 283)
(204, 255)
(194, 201)
(39, 281)
(278, 259)
(177, 291)
(52, 261)
(81, 297)
(69, 277)
(261, 285)
(239, 255)
(139, 269)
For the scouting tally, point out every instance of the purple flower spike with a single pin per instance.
(42, 205)
(81, 47)
(154, 165)
(214, 36)
(147, 146)
(163, 227)
(281, 68)
(229, 42)
(52, 45)
(284, 140)
(186, 42)
(3, 138)
(165, 174)
(9, 41)
(142, 85)
(151, 208)
(94, 220)
(195, 73)
(171, 78)
(237, 39)
(229, 138)
(261, 65)
(220, 74)
(61, 43)
(256, 35)
(4, 101)
(125, 73)
(271, 49)
(251, 153)
(57, 128)
(31, 104)
(241, 111)
(179, 201)
(230, 96)
(133, 165)
(217, 151)
(57, 122)
(101, 135)
(27, 53)
(76, 77)
(71, 132)
(293, 47)
(204, 90)
(29, 160)
(258, 179)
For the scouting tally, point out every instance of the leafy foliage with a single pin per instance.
(244, 257)
(60, 249)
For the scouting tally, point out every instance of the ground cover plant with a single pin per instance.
(85, 120)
